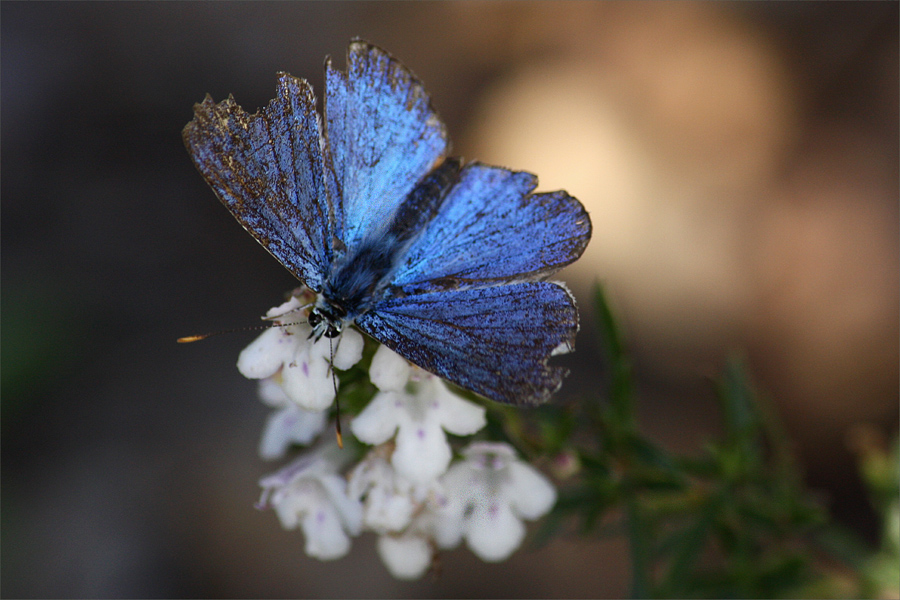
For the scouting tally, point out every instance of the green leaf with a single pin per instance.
(686, 546)
(639, 542)
(618, 365)
(738, 401)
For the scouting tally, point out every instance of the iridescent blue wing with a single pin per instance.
(268, 169)
(491, 230)
(462, 302)
(383, 137)
(493, 341)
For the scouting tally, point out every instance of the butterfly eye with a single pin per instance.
(314, 319)
(332, 332)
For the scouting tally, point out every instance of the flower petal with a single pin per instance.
(385, 512)
(294, 501)
(266, 354)
(423, 452)
(349, 349)
(389, 371)
(287, 426)
(349, 509)
(388, 499)
(307, 382)
(378, 420)
(461, 483)
(530, 494)
(284, 312)
(449, 524)
(493, 532)
(271, 392)
(457, 415)
(406, 557)
(325, 536)
(489, 455)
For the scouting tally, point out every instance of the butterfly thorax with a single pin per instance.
(361, 278)
(355, 285)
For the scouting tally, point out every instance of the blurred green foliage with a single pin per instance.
(734, 522)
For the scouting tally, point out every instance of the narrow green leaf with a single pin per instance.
(618, 365)
(687, 546)
(738, 399)
(639, 541)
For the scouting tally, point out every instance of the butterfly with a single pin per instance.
(441, 261)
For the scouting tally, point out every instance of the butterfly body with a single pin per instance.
(363, 277)
(441, 261)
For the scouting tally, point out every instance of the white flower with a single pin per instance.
(289, 424)
(303, 363)
(398, 510)
(409, 553)
(386, 496)
(310, 494)
(488, 494)
(417, 407)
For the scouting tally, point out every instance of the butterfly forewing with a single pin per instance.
(492, 231)
(383, 135)
(268, 169)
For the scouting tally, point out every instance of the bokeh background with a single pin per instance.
(739, 161)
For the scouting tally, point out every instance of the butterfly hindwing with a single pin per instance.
(491, 230)
(494, 341)
(463, 302)
(268, 169)
(383, 137)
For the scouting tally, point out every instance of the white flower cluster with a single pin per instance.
(407, 489)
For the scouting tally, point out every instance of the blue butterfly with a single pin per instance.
(442, 262)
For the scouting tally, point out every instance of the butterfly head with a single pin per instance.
(325, 321)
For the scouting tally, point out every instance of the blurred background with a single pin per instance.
(739, 161)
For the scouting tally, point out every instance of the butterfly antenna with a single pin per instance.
(337, 400)
(287, 312)
(196, 338)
